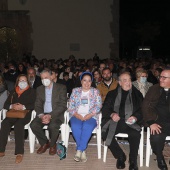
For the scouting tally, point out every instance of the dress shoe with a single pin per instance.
(133, 165)
(2, 154)
(18, 159)
(53, 150)
(43, 148)
(120, 164)
(162, 165)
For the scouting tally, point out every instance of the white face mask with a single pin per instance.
(143, 79)
(36, 68)
(23, 84)
(46, 82)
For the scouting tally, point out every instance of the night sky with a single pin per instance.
(147, 23)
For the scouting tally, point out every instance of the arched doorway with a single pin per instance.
(9, 44)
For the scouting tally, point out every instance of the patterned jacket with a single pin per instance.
(95, 101)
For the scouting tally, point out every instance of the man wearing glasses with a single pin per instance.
(156, 112)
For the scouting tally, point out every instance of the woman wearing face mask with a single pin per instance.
(21, 98)
(141, 83)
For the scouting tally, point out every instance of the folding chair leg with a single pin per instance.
(148, 147)
(63, 130)
(105, 152)
(99, 143)
(31, 140)
(67, 135)
(141, 148)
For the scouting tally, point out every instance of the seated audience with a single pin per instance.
(156, 111)
(141, 83)
(121, 113)
(84, 107)
(34, 80)
(50, 105)
(66, 69)
(21, 98)
(107, 84)
(97, 77)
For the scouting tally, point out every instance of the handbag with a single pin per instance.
(61, 150)
(12, 113)
(16, 113)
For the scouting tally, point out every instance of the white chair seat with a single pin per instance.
(32, 137)
(148, 146)
(124, 135)
(96, 131)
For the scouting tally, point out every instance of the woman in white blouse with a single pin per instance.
(85, 104)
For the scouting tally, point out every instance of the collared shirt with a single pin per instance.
(108, 85)
(48, 99)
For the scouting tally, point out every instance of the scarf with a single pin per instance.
(111, 125)
(19, 92)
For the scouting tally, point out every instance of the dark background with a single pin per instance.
(144, 23)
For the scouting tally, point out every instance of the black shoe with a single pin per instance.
(133, 165)
(120, 164)
(162, 165)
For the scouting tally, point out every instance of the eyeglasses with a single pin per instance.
(163, 77)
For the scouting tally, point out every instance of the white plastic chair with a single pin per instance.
(27, 126)
(96, 131)
(124, 135)
(148, 146)
(32, 137)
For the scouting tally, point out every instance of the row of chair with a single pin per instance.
(65, 131)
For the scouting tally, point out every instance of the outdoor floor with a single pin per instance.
(33, 161)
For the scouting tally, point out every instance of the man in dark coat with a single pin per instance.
(156, 111)
(121, 113)
(50, 105)
(34, 80)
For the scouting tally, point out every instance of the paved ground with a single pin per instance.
(45, 161)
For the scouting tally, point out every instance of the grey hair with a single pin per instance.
(46, 71)
(126, 72)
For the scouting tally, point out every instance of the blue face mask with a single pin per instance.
(143, 79)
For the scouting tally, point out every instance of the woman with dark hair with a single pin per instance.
(84, 107)
(21, 98)
(21, 69)
(97, 77)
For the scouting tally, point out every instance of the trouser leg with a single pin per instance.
(134, 140)
(82, 131)
(76, 126)
(157, 143)
(19, 133)
(116, 149)
(114, 146)
(53, 128)
(37, 128)
(19, 137)
(87, 129)
(4, 132)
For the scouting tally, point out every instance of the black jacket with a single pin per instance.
(108, 106)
